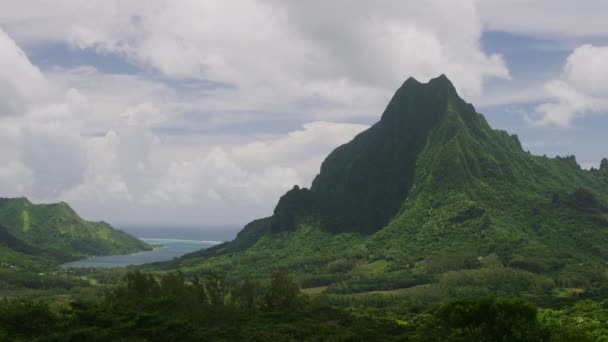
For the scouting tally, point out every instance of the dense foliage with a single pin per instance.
(168, 308)
(56, 232)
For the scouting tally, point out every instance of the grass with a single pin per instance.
(314, 290)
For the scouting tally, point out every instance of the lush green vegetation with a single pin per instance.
(35, 239)
(169, 308)
(55, 230)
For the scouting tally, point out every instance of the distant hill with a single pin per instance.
(431, 199)
(55, 231)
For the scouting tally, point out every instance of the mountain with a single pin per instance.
(55, 231)
(364, 183)
(432, 200)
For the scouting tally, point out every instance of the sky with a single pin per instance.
(201, 113)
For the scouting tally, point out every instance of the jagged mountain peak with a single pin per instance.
(439, 82)
(418, 108)
(434, 95)
(362, 184)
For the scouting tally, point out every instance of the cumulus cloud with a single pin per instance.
(381, 43)
(587, 70)
(42, 127)
(296, 146)
(15, 179)
(217, 178)
(21, 83)
(351, 54)
(246, 180)
(119, 166)
(54, 154)
(102, 183)
(144, 114)
(582, 89)
(45, 154)
(125, 169)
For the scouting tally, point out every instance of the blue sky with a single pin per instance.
(204, 113)
(533, 61)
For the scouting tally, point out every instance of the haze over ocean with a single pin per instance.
(202, 233)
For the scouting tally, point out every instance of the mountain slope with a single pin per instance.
(431, 194)
(363, 183)
(56, 230)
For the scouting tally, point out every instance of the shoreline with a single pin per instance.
(163, 250)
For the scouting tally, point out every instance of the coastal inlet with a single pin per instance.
(167, 249)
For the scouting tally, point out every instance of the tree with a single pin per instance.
(487, 319)
(244, 294)
(27, 319)
(141, 284)
(214, 288)
(173, 284)
(283, 294)
(198, 290)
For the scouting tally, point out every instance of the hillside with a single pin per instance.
(433, 202)
(56, 232)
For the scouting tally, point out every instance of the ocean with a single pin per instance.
(175, 243)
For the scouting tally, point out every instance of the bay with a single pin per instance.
(171, 248)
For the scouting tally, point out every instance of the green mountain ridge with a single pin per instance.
(362, 184)
(9, 241)
(432, 195)
(56, 232)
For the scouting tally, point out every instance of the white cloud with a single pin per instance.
(42, 127)
(587, 69)
(15, 179)
(21, 83)
(247, 180)
(381, 43)
(312, 140)
(582, 89)
(346, 54)
(217, 179)
(130, 179)
(103, 183)
(119, 165)
(54, 153)
(109, 96)
(144, 114)
(549, 18)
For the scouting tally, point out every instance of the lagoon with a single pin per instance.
(171, 248)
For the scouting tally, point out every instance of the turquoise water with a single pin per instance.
(171, 248)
